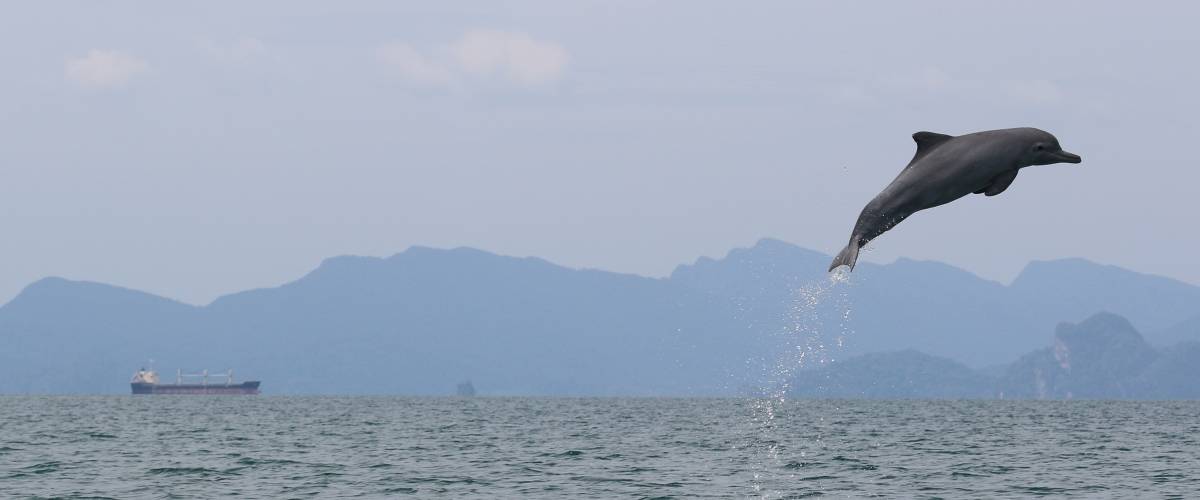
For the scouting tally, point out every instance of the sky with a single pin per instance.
(192, 150)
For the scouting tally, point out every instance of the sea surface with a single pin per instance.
(386, 447)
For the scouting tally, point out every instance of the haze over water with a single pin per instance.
(369, 447)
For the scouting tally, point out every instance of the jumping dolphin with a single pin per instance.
(946, 168)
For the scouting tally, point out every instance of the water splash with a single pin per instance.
(819, 322)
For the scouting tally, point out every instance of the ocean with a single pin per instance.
(386, 447)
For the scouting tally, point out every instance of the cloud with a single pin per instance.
(413, 66)
(105, 68)
(479, 56)
(516, 56)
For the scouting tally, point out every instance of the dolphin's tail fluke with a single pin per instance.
(847, 257)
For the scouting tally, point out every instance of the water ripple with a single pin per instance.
(330, 447)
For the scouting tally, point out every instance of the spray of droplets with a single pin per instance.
(819, 322)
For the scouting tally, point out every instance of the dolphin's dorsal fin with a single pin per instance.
(926, 141)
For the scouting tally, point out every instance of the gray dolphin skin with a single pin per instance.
(946, 168)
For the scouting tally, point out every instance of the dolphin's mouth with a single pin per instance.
(1065, 157)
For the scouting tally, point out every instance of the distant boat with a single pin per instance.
(146, 382)
(465, 389)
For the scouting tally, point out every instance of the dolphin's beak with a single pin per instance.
(1065, 157)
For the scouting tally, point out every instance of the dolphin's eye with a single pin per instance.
(1039, 147)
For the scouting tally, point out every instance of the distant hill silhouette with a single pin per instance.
(1102, 357)
(423, 320)
(904, 374)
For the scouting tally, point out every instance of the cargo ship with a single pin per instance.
(146, 382)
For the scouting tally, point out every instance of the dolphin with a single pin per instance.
(946, 168)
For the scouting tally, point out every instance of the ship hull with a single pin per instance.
(243, 388)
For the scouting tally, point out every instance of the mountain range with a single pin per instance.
(421, 321)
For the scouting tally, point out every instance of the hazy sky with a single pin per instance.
(197, 150)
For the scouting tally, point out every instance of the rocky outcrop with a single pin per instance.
(1099, 358)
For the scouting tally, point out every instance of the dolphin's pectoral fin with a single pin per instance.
(999, 184)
